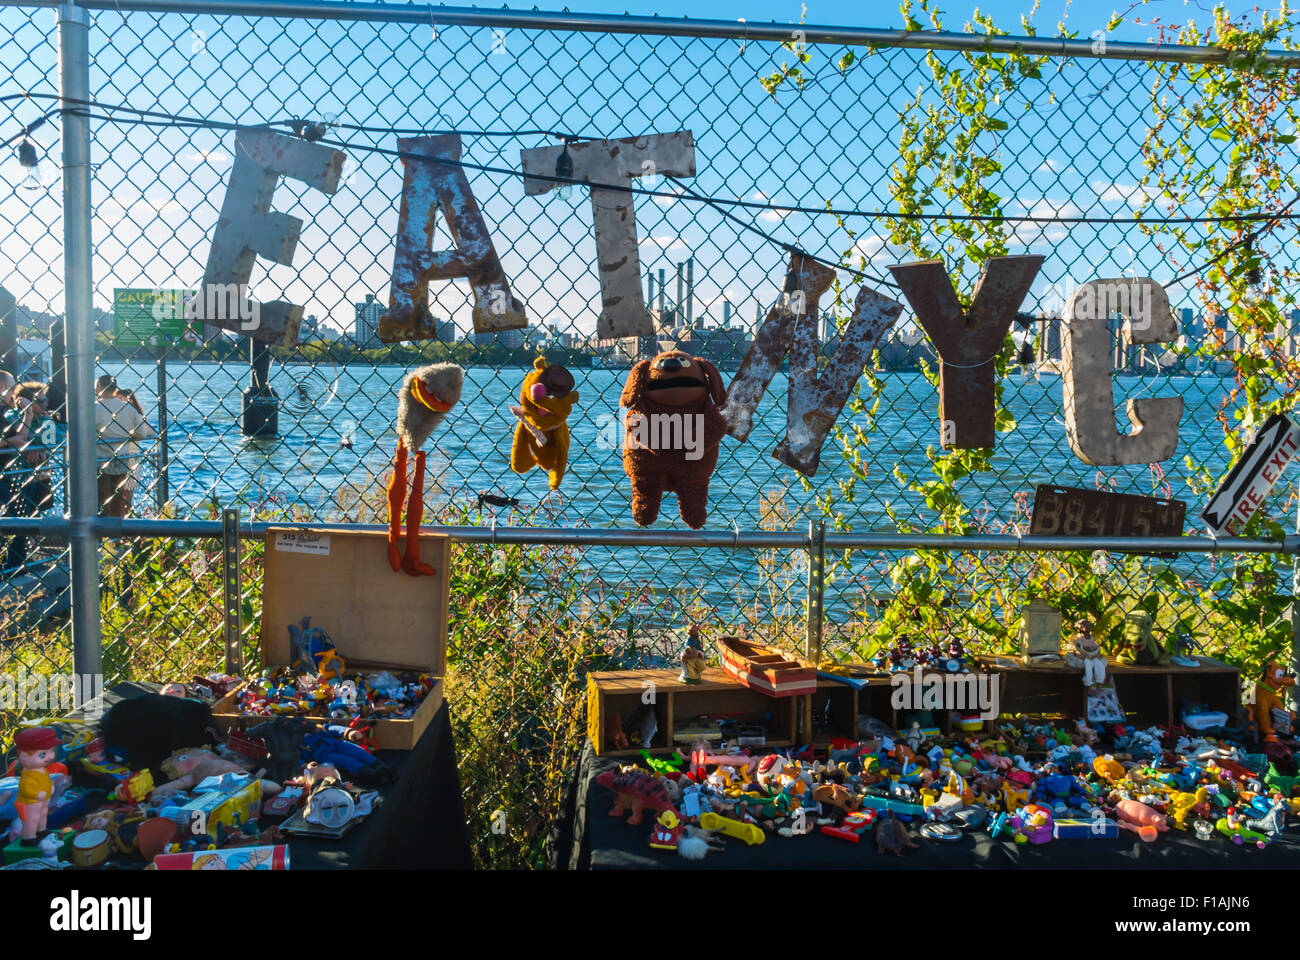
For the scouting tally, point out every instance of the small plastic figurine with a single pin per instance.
(1271, 716)
(37, 748)
(1086, 653)
(692, 657)
(667, 832)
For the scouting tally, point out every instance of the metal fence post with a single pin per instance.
(230, 578)
(82, 494)
(816, 588)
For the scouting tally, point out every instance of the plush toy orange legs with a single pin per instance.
(410, 563)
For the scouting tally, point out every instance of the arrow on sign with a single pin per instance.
(1253, 476)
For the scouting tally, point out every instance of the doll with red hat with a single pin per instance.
(37, 747)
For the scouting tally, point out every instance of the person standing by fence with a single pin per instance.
(17, 461)
(120, 424)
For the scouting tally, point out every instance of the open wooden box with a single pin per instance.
(378, 619)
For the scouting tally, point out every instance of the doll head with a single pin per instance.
(184, 761)
(37, 747)
(547, 389)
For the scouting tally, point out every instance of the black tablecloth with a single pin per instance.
(587, 837)
(420, 825)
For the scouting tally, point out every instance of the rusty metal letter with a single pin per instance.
(967, 341)
(428, 186)
(617, 162)
(1086, 387)
(812, 402)
(248, 228)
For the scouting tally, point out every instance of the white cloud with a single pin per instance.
(217, 157)
(666, 243)
(1029, 233)
(1049, 166)
(875, 248)
(664, 186)
(771, 216)
(1130, 194)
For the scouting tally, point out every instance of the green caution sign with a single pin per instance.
(152, 317)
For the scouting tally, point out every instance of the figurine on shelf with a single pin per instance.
(692, 656)
(37, 748)
(1272, 719)
(932, 657)
(956, 659)
(1185, 648)
(1085, 652)
(901, 657)
(1139, 644)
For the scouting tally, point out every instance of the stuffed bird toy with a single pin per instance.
(424, 400)
(542, 435)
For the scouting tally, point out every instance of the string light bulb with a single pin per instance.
(1026, 353)
(564, 170)
(29, 161)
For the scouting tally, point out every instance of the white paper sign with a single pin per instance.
(314, 543)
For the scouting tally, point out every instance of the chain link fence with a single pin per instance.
(530, 620)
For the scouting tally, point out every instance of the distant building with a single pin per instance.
(365, 327)
(313, 328)
(510, 339)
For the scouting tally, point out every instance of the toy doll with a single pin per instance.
(37, 748)
(667, 831)
(188, 768)
(692, 657)
(1086, 653)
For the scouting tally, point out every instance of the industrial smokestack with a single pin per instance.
(677, 311)
(726, 313)
(662, 281)
(690, 291)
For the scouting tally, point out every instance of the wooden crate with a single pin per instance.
(619, 693)
(378, 619)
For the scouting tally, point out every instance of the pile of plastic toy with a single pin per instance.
(1028, 783)
(317, 684)
(381, 695)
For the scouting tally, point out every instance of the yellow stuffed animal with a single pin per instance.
(542, 435)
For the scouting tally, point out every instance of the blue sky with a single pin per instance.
(1072, 147)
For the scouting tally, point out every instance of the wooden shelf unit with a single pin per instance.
(1150, 694)
(1147, 694)
(620, 692)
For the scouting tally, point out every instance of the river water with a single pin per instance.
(311, 469)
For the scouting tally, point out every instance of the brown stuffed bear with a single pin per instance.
(673, 431)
